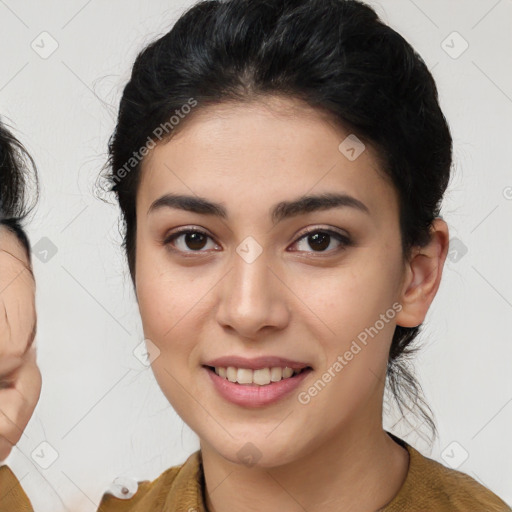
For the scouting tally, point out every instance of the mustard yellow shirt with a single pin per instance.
(428, 487)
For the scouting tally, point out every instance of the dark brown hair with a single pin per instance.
(17, 170)
(336, 55)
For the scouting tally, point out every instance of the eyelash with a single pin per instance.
(344, 240)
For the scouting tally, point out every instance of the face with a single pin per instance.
(20, 378)
(266, 278)
(17, 296)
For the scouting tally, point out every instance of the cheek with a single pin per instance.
(156, 294)
(354, 295)
(170, 303)
(355, 301)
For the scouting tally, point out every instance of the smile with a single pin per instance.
(260, 377)
(261, 393)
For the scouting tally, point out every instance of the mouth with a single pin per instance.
(262, 377)
(256, 387)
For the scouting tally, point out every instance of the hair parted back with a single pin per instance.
(335, 55)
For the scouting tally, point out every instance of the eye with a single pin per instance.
(192, 239)
(321, 239)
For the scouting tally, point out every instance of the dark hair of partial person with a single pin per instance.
(335, 55)
(17, 172)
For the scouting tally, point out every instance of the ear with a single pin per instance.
(423, 275)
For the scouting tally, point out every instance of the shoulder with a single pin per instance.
(12, 495)
(429, 485)
(174, 489)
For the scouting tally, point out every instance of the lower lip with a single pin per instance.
(253, 395)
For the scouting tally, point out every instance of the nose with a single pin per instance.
(252, 299)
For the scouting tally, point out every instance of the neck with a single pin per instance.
(361, 469)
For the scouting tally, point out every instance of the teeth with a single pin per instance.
(276, 374)
(244, 376)
(231, 374)
(287, 372)
(261, 377)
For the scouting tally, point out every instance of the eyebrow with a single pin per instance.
(280, 211)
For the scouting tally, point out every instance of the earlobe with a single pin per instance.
(423, 276)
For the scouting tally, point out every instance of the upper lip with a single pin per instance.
(256, 363)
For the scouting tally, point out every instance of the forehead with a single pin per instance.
(250, 151)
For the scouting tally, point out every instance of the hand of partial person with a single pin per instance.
(20, 378)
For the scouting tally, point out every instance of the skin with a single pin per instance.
(20, 378)
(293, 301)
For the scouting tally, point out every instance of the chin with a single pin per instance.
(257, 451)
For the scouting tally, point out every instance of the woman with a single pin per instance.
(280, 168)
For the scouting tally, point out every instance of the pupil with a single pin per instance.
(319, 240)
(193, 240)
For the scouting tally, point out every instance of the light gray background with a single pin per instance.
(100, 408)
